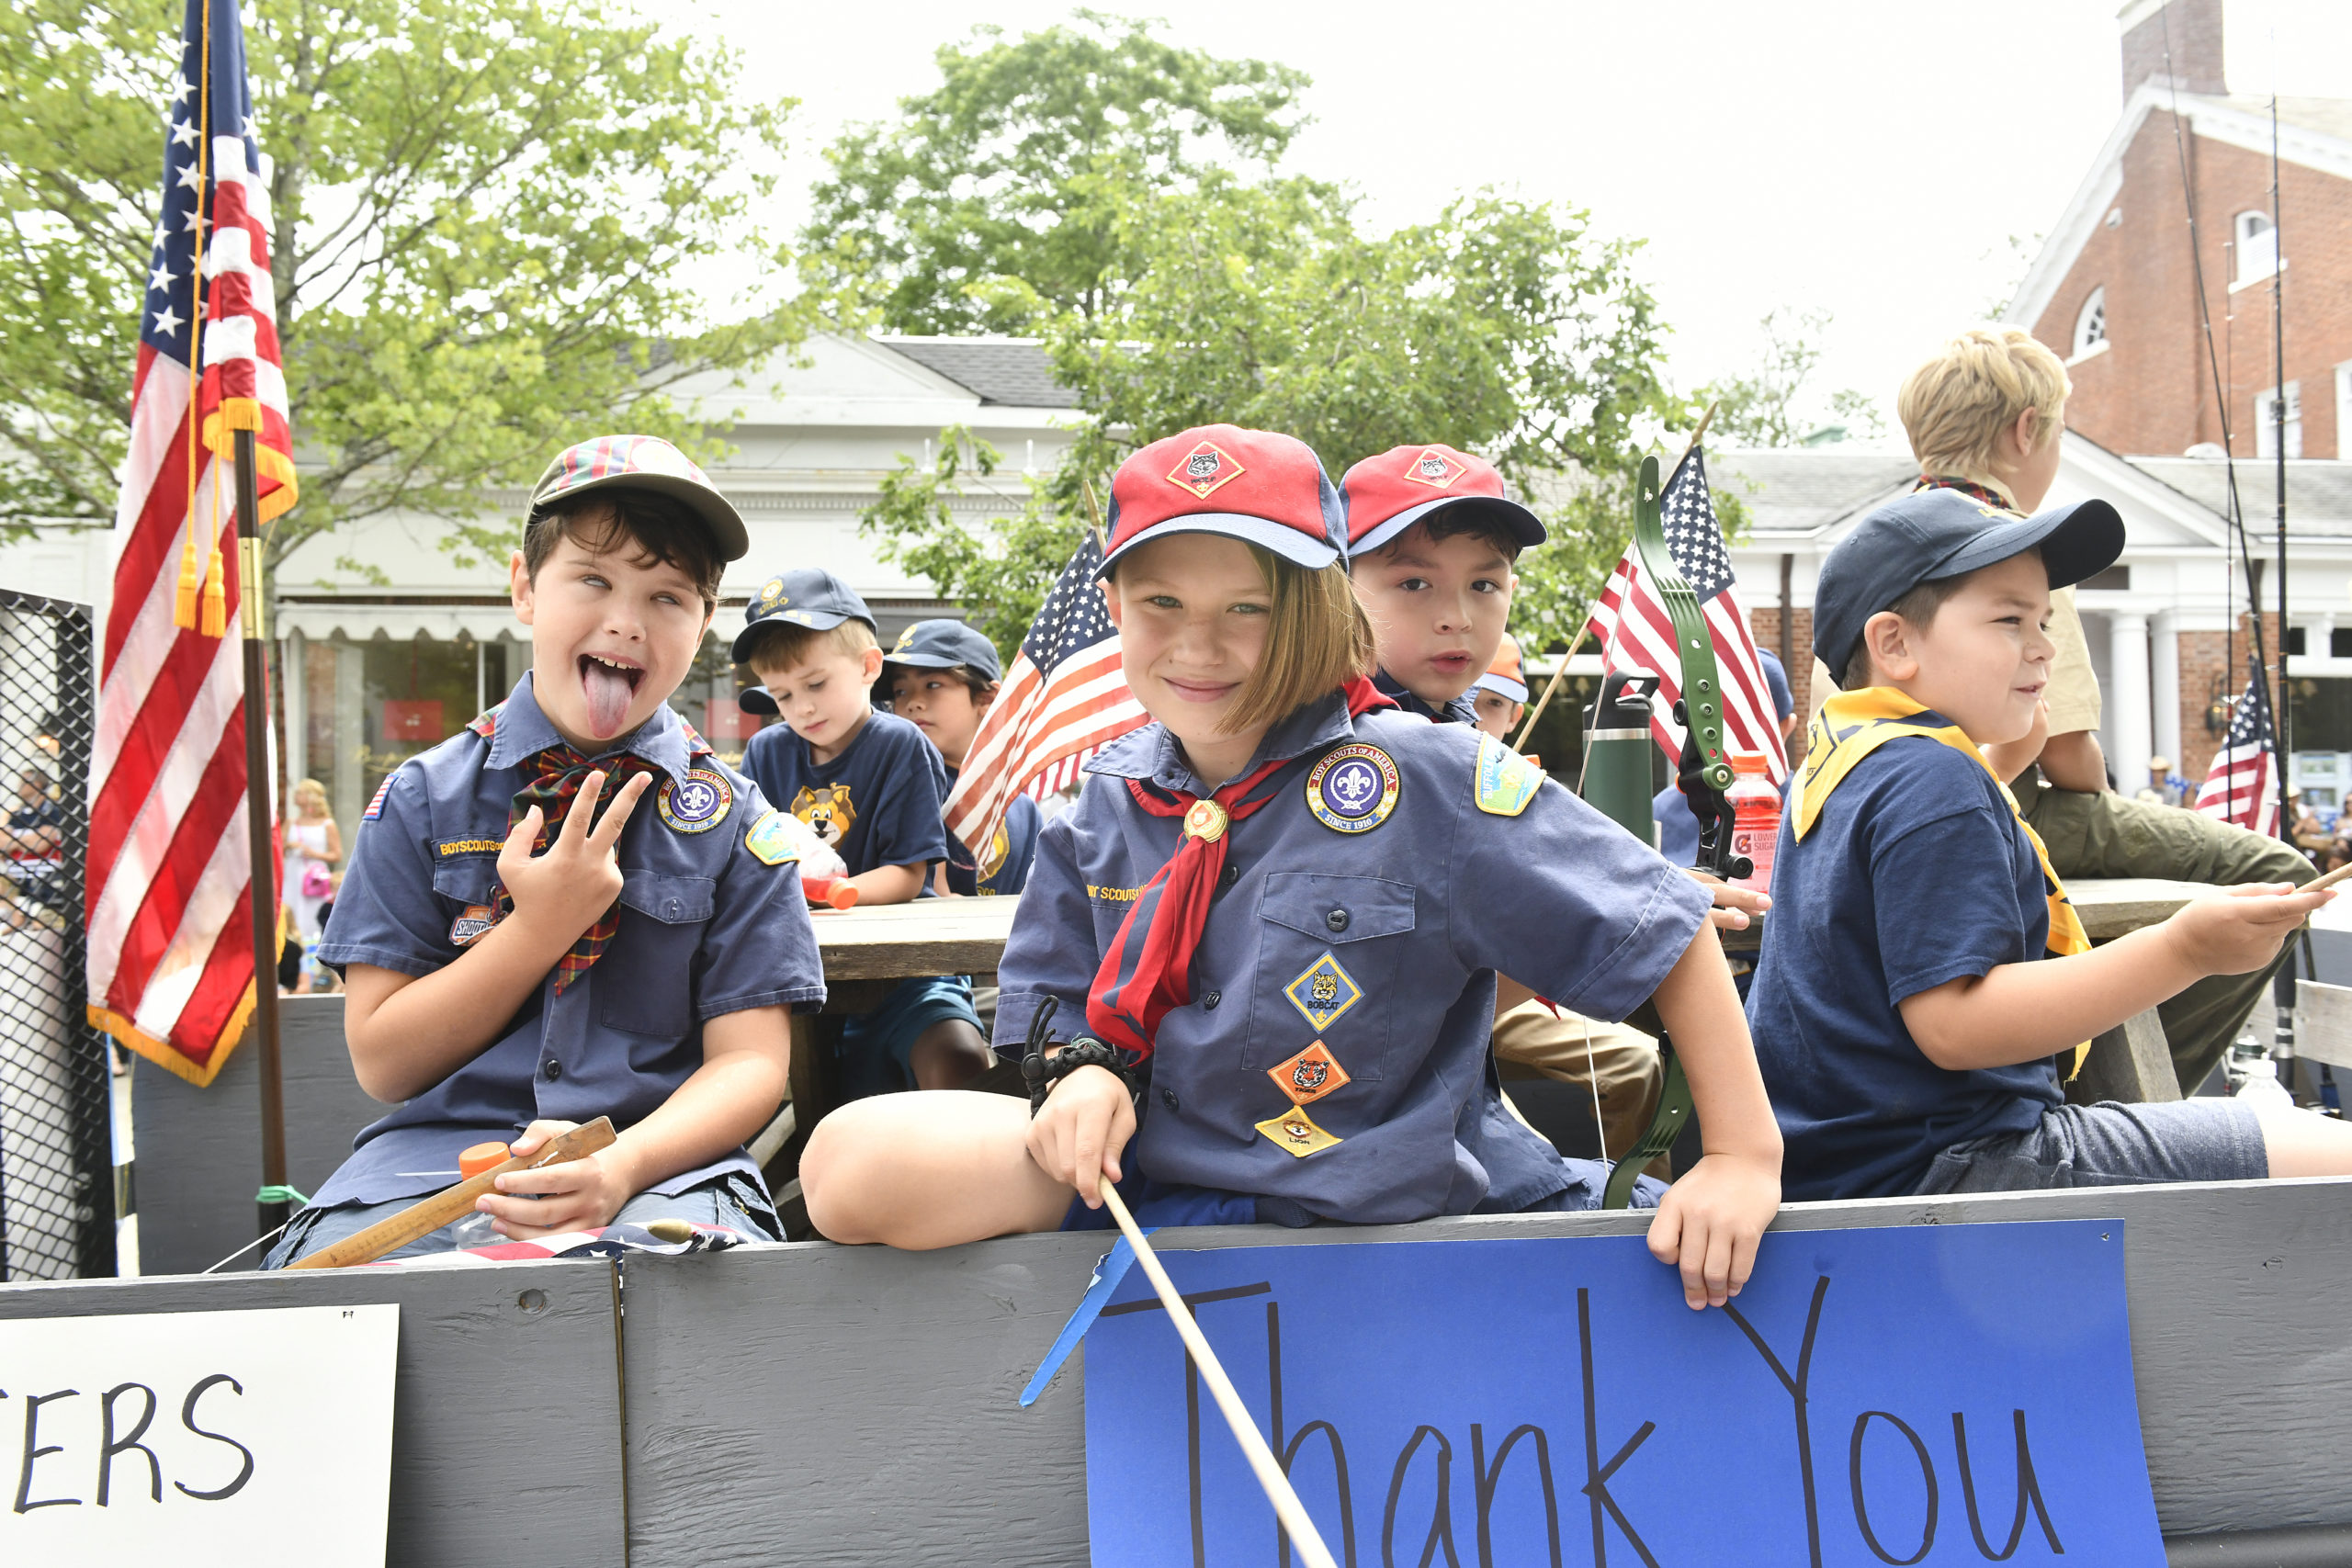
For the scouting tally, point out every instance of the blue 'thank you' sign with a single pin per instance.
(1923, 1394)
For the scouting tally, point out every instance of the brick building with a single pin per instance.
(2115, 289)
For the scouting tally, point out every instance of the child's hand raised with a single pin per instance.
(564, 891)
(1076, 1138)
(1710, 1221)
(2235, 930)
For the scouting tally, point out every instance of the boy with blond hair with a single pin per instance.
(1986, 416)
(870, 786)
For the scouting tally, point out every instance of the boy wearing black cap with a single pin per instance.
(517, 959)
(869, 785)
(942, 677)
(1925, 987)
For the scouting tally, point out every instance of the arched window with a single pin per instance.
(2090, 326)
(2257, 243)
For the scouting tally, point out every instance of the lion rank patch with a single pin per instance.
(1353, 788)
(1295, 1131)
(1505, 781)
(696, 803)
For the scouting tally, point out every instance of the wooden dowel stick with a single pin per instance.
(429, 1215)
(1287, 1507)
(1553, 685)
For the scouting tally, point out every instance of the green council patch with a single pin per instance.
(1505, 781)
(769, 841)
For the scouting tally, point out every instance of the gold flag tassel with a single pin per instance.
(184, 602)
(216, 594)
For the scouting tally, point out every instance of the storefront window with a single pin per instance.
(2319, 726)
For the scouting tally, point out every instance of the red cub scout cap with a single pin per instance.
(1385, 495)
(1219, 478)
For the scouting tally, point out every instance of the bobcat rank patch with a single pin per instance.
(1295, 1131)
(696, 803)
(1309, 1075)
(1323, 992)
(472, 925)
(1353, 788)
(769, 842)
(1505, 781)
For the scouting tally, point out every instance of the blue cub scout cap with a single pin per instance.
(945, 645)
(807, 596)
(1931, 535)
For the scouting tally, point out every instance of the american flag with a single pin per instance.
(171, 958)
(1064, 698)
(1635, 631)
(2242, 786)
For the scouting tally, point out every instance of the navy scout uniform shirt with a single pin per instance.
(1463, 709)
(707, 926)
(1335, 1050)
(875, 803)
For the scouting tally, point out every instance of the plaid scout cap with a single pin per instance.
(1507, 676)
(647, 463)
(1253, 485)
(1930, 535)
(807, 596)
(945, 645)
(1385, 495)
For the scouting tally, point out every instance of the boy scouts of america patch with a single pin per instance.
(472, 926)
(1310, 1075)
(1296, 1132)
(768, 842)
(1204, 469)
(1322, 992)
(1434, 468)
(1353, 789)
(696, 803)
(1505, 781)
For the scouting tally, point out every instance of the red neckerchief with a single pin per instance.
(1985, 493)
(1148, 967)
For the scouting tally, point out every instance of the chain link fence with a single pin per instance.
(57, 1202)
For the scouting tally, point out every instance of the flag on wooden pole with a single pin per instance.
(1063, 700)
(1635, 632)
(2242, 785)
(170, 948)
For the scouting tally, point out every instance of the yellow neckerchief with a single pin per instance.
(1851, 725)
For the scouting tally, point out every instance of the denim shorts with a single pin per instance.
(2110, 1145)
(735, 1202)
(878, 1047)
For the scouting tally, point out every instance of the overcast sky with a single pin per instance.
(1871, 158)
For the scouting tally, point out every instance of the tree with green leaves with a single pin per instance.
(482, 218)
(1771, 406)
(1015, 166)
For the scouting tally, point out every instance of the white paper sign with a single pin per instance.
(196, 1438)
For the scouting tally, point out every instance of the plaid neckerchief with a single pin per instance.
(1147, 969)
(1970, 488)
(557, 774)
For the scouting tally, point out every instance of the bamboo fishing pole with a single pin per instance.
(1287, 1507)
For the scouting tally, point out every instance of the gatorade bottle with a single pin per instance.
(474, 1229)
(832, 891)
(1756, 820)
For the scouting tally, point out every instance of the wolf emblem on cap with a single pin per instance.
(1204, 469)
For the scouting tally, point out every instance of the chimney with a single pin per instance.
(2192, 29)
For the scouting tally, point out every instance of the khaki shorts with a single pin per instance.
(1619, 1061)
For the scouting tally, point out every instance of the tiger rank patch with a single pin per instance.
(1295, 1131)
(1322, 992)
(1435, 470)
(1204, 469)
(1352, 788)
(1309, 1075)
(696, 803)
(1505, 781)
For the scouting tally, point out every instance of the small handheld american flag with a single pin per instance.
(1063, 700)
(1635, 632)
(2243, 785)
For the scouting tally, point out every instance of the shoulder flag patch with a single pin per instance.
(1505, 781)
(376, 806)
(769, 842)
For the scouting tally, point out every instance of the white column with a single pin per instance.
(2164, 690)
(291, 656)
(2127, 699)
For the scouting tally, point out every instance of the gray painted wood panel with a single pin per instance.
(868, 1397)
(199, 1149)
(506, 1440)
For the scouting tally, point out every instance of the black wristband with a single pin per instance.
(1042, 1072)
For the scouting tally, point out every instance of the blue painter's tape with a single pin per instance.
(1107, 1274)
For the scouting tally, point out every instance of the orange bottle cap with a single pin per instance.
(1748, 762)
(481, 1157)
(841, 896)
